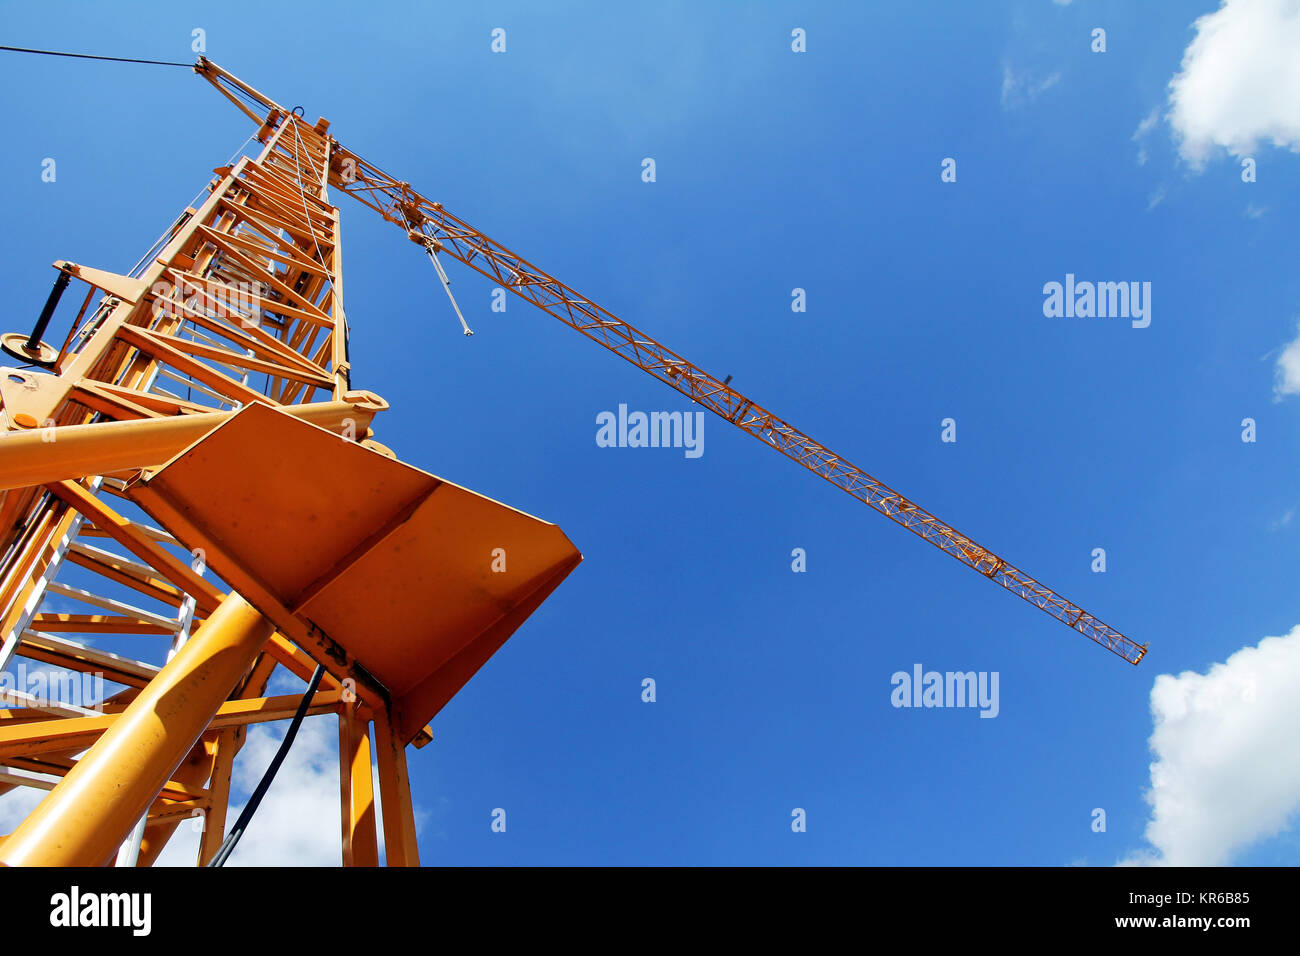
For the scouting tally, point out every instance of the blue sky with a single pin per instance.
(775, 170)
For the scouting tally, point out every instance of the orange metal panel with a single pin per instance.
(394, 565)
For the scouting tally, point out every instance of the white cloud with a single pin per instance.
(1021, 89)
(1226, 774)
(16, 804)
(1288, 370)
(1146, 126)
(297, 823)
(1239, 83)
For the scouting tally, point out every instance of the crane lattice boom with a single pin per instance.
(429, 224)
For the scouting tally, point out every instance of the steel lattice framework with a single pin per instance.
(238, 302)
(239, 307)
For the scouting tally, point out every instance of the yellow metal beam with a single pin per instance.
(400, 847)
(356, 790)
(43, 455)
(92, 810)
(32, 736)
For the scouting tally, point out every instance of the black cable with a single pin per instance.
(228, 844)
(88, 56)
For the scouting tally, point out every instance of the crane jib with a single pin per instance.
(429, 224)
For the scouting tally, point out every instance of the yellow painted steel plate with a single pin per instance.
(419, 579)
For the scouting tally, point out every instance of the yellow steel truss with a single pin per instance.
(198, 419)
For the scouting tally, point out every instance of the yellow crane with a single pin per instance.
(195, 452)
